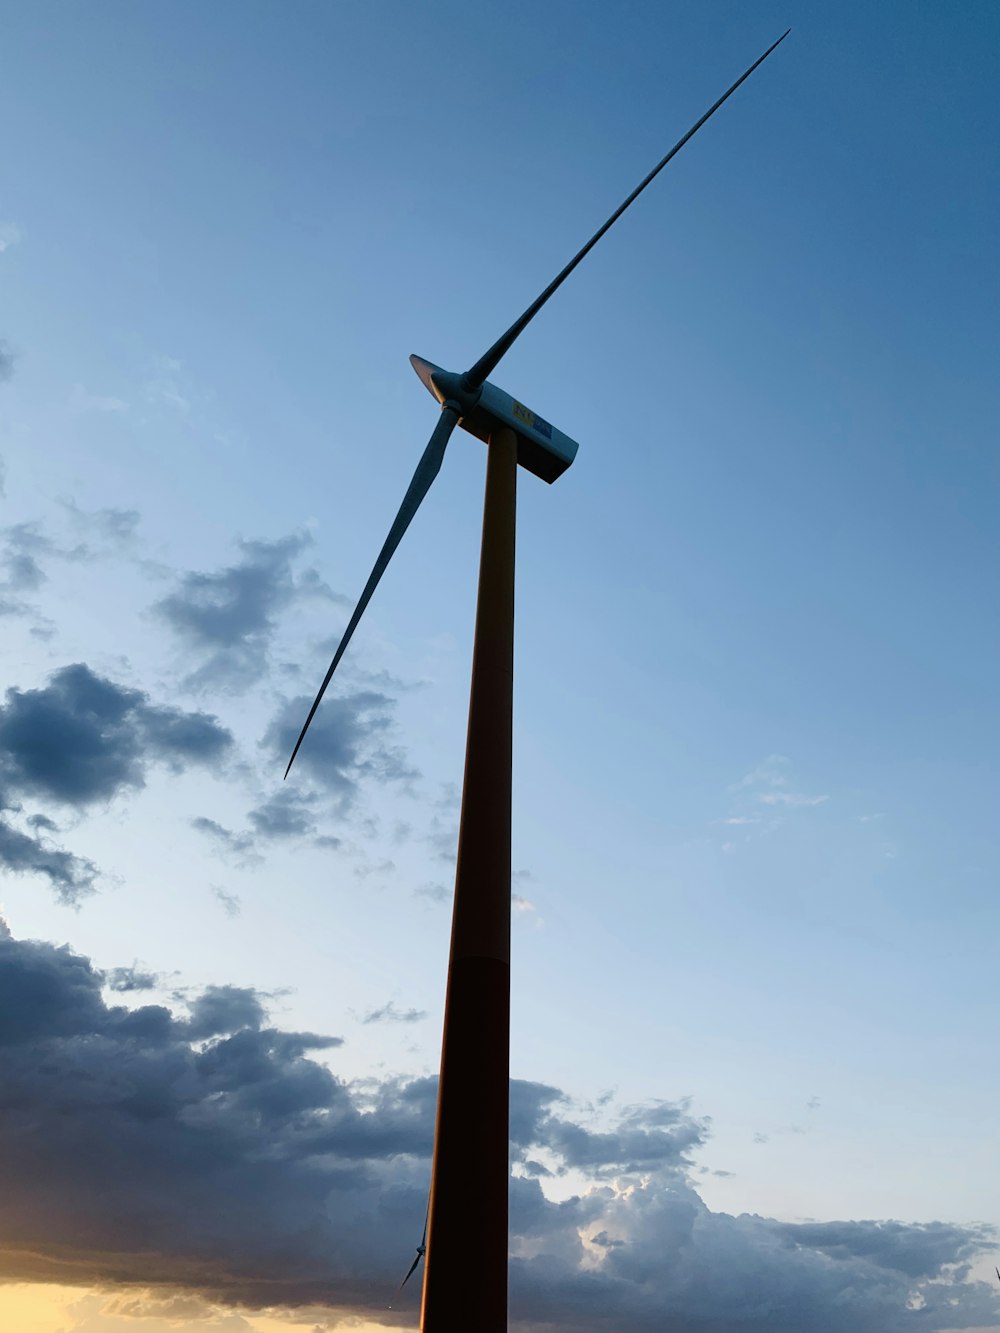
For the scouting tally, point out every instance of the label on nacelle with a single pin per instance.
(529, 418)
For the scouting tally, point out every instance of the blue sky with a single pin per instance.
(756, 714)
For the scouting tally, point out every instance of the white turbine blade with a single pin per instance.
(488, 362)
(427, 469)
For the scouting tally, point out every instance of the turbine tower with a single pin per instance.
(465, 1274)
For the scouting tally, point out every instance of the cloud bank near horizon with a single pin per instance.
(210, 1153)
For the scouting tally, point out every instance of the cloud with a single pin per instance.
(80, 741)
(764, 797)
(159, 1312)
(7, 358)
(26, 546)
(442, 834)
(228, 617)
(231, 903)
(435, 891)
(81, 401)
(42, 822)
(769, 784)
(71, 877)
(657, 1137)
(23, 546)
(917, 1250)
(285, 814)
(222, 1010)
(390, 1014)
(10, 234)
(347, 743)
(792, 799)
(83, 739)
(239, 847)
(662, 1260)
(163, 388)
(123, 980)
(117, 526)
(210, 1157)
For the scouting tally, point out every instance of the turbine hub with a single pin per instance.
(451, 388)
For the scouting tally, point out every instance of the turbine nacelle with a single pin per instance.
(541, 448)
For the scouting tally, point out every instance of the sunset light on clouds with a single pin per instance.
(754, 1077)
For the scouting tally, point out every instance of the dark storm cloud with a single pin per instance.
(82, 739)
(213, 1155)
(348, 742)
(228, 617)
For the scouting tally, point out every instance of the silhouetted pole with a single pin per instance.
(465, 1278)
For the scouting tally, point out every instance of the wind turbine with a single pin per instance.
(465, 1272)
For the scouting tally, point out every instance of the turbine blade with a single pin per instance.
(421, 1249)
(413, 1269)
(427, 469)
(489, 361)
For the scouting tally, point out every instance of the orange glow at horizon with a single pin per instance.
(41, 1307)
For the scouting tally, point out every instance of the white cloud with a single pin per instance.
(769, 784)
(792, 799)
(10, 234)
(164, 387)
(81, 400)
